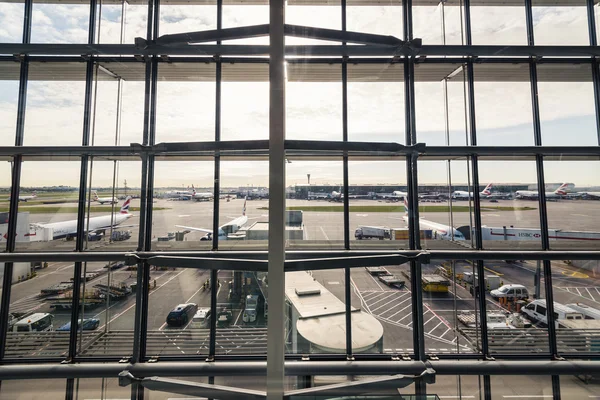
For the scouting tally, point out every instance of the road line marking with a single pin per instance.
(407, 315)
(384, 298)
(444, 334)
(429, 333)
(578, 292)
(590, 293)
(323, 230)
(133, 305)
(377, 283)
(376, 296)
(598, 292)
(399, 311)
(429, 319)
(402, 302)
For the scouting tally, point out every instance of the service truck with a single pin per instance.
(250, 311)
(372, 232)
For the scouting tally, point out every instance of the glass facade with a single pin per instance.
(420, 181)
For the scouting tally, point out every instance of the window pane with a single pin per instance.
(376, 204)
(513, 325)
(314, 102)
(112, 16)
(503, 105)
(49, 202)
(382, 20)
(236, 16)
(376, 103)
(576, 386)
(572, 205)
(106, 309)
(11, 21)
(443, 224)
(113, 214)
(174, 300)
(36, 389)
(438, 86)
(49, 24)
(55, 97)
(316, 16)
(548, 22)
(242, 313)
(566, 98)
(320, 203)
(9, 97)
(186, 18)
(509, 209)
(183, 209)
(119, 112)
(245, 102)
(243, 209)
(185, 102)
(498, 25)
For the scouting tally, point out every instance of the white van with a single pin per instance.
(38, 322)
(536, 310)
(587, 311)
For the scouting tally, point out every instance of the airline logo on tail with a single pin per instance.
(405, 206)
(95, 194)
(193, 190)
(488, 190)
(562, 189)
(125, 206)
(244, 209)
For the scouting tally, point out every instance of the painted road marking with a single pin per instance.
(575, 274)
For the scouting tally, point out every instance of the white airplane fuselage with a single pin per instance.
(67, 229)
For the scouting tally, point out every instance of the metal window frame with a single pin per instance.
(281, 260)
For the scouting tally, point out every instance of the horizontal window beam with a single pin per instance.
(296, 50)
(299, 368)
(344, 258)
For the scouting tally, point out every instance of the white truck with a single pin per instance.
(250, 312)
(587, 311)
(370, 232)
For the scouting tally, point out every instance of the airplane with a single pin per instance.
(336, 196)
(226, 231)
(439, 231)
(533, 194)
(459, 194)
(25, 198)
(179, 195)
(590, 195)
(68, 229)
(102, 200)
(398, 194)
(201, 196)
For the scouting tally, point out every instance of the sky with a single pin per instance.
(314, 109)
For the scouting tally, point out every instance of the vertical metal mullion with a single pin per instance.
(15, 182)
(82, 229)
(276, 257)
(142, 229)
(216, 195)
(539, 160)
(594, 65)
(346, 180)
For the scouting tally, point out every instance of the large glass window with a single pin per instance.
(11, 20)
(49, 24)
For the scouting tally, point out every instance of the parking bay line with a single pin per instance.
(383, 305)
(393, 315)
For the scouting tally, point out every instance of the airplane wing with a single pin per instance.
(195, 229)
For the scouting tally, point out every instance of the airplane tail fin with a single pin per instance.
(95, 195)
(562, 190)
(488, 190)
(244, 209)
(193, 190)
(405, 206)
(125, 206)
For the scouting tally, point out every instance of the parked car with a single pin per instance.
(512, 292)
(182, 314)
(89, 324)
(201, 318)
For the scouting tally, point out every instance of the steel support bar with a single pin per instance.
(299, 147)
(299, 50)
(299, 368)
(276, 257)
(462, 254)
